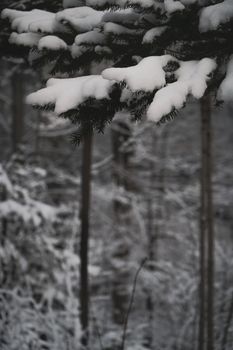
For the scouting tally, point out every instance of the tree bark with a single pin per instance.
(17, 110)
(206, 320)
(85, 209)
(121, 155)
(227, 325)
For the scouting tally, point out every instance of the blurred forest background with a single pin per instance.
(145, 203)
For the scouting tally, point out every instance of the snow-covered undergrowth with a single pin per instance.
(38, 307)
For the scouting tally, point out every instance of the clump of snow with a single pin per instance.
(78, 50)
(33, 21)
(82, 19)
(192, 77)
(12, 14)
(85, 41)
(225, 92)
(122, 16)
(103, 50)
(52, 42)
(147, 75)
(25, 39)
(212, 16)
(172, 6)
(153, 33)
(118, 29)
(67, 94)
(92, 37)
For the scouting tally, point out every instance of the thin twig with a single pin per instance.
(131, 303)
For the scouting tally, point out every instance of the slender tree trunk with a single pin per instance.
(3, 237)
(227, 325)
(17, 109)
(120, 137)
(85, 209)
(206, 320)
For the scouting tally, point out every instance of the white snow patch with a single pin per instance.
(52, 42)
(192, 77)
(172, 6)
(212, 16)
(82, 19)
(67, 94)
(33, 21)
(92, 37)
(152, 34)
(225, 92)
(118, 29)
(147, 75)
(25, 39)
(84, 42)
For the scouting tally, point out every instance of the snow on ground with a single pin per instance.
(67, 94)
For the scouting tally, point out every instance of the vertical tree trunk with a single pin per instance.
(17, 109)
(227, 325)
(85, 208)
(3, 237)
(120, 137)
(206, 321)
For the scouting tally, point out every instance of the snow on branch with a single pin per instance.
(25, 39)
(33, 21)
(67, 94)
(225, 92)
(192, 80)
(147, 75)
(81, 19)
(212, 16)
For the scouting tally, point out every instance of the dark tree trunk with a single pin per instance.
(17, 109)
(84, 216)
(206, 321)
(121, 156)
(3, 237)
(227, 325)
